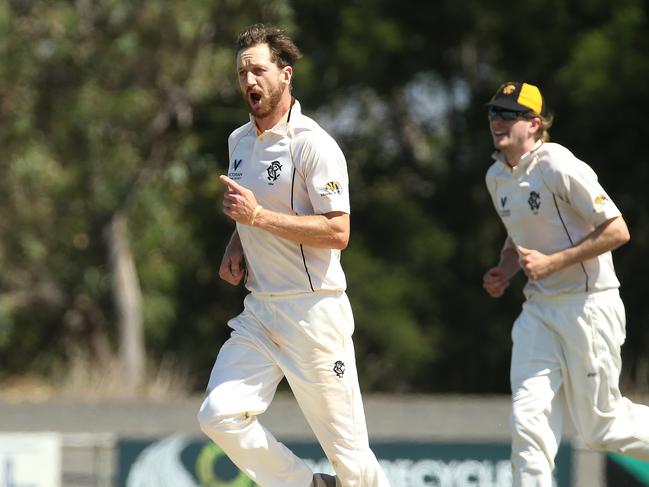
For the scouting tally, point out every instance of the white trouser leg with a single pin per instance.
(604, 419)
(320, 367)
(242, 385)
(537, 401)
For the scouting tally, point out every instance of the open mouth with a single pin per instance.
(255, 98)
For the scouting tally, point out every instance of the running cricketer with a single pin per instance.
(561, 228)
(287, 191)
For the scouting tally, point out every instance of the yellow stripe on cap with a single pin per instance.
(530, 97)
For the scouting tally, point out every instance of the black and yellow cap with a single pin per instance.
(515, 95)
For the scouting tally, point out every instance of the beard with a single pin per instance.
(269, 103)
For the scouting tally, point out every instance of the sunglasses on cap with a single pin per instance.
(509, 114)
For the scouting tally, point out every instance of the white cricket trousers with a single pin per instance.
(308, 339)
(566, 352)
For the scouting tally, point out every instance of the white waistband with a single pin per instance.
(573, 297)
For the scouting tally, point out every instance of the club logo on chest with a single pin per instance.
(534, 201)
(273, 171)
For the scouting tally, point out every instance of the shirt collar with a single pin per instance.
(525, 158)
(282, 127)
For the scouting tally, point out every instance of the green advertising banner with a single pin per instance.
(626, 471)
(179, 461)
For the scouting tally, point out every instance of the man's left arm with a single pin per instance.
(329, 230)
(609, 235)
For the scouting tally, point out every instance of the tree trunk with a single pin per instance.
(128, 302)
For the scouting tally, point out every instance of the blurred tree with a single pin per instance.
(114, 118)
(405, 84)
(602, 115)
(98, 100)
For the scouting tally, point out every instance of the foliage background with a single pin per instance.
(117, 112)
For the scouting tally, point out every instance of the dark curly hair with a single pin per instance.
(283, 50)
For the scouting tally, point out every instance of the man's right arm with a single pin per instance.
(233, 263)
(497, 279)
(328, 231)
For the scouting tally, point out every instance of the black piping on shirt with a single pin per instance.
(290, 110)
(583, 268)
(306, 268)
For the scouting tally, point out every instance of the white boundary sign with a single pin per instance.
(30, 460)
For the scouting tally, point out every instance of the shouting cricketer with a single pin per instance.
(287, 191)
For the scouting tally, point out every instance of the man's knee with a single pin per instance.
(214, 419)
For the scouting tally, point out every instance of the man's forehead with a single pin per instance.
(257, 54)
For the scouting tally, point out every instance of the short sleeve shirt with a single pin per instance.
(549, 202)
(294, 168)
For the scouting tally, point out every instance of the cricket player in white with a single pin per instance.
(287, 190)
(561, 228)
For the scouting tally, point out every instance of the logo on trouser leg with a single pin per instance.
(339, 368)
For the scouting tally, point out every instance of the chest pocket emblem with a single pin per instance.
(534, 201)
(273, 170)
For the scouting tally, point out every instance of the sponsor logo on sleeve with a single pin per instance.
(332, 187)
(600, 201)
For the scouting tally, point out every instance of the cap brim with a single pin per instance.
(508, 104)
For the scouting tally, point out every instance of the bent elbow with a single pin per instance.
(339, 230)
(625, 236)
(341, 241)
(617, 232)
(622, 235)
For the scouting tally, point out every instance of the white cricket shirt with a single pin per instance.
(298, 169)
(549, 202)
